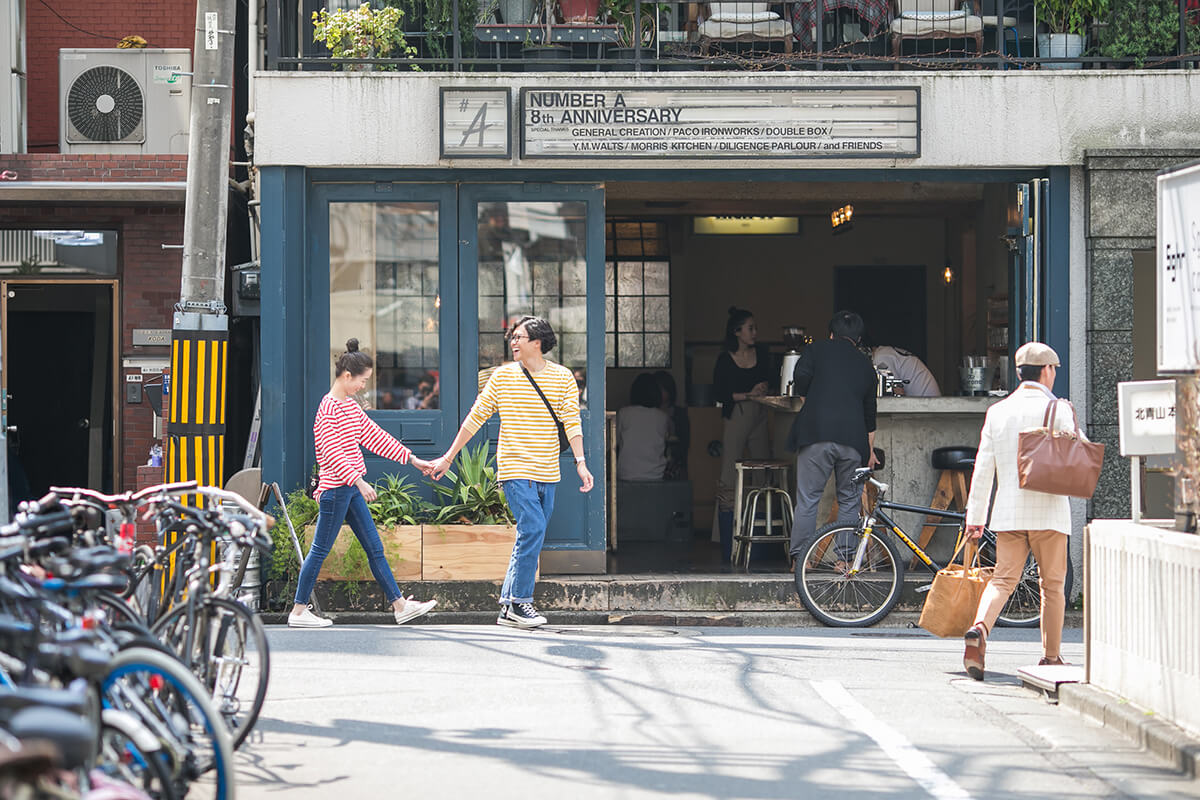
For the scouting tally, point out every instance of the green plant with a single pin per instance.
(1141, 28)
(397, 503)
(363, 33)
(302, 510)
(1069, 16)
(439, 24)
(632, 32)
(474, 496)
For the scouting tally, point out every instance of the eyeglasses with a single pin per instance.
(517, 337)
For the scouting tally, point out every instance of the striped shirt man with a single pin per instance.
(528, 448)
(341, 430)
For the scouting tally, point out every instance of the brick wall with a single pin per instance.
(93, 23)
(80, 167)
(149, 289)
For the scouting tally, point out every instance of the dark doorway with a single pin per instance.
(891, 301)
(58, 375)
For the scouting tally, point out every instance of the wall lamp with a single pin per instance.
(842, 219)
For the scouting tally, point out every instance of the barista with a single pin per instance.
(918, 381)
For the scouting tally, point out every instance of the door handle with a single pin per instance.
(83, 423)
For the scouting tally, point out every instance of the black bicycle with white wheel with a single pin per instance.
(852, 576)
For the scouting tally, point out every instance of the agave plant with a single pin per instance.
(474, 496)
(397, 503)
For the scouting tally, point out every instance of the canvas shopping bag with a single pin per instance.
(953, 599)
(1058, 462)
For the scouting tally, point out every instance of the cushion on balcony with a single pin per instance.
(740, 12)
(906, 26)
(715, 29)
(934, 16)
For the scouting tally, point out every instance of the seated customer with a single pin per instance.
(680, 434)
(642, 429)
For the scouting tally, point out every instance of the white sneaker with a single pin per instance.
(307, 619)
(413, 609)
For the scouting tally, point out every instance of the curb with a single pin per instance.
(1142, 727)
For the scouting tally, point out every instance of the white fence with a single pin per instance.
(17, 246)
(1143, 617)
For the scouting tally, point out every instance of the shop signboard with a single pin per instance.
(857, 122)
(1179, 270)
(1146, 413)
(476, 123)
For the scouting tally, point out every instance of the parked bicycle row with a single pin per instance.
(128, 671)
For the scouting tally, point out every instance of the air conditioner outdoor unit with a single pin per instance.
(124, 101)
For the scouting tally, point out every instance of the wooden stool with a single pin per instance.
(775, 475)
(955, 464)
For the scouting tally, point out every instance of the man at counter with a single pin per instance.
(835, 430)
(918, 380)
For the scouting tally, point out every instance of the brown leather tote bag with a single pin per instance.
(1058, 462)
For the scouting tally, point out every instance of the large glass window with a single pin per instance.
(59, 251)
(383, 291)
(637, 288)
(533, 260)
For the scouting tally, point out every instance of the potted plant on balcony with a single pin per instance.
(363, 33)
(439, 24)
(471, 533)
(1143, 29)
(1067, 22)
(633, 33)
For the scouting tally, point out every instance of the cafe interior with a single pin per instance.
(928, 266)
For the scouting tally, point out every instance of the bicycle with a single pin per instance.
(852, 575)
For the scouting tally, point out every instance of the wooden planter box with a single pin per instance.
(402, 547)
(466, 552)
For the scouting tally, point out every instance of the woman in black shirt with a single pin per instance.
(741, 373)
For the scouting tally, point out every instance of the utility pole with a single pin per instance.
(200, 328)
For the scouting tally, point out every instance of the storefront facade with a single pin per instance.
(374, 228)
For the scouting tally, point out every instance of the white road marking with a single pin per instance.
(918, 766)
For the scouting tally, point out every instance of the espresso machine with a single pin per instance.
(794, 339)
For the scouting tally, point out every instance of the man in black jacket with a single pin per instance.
(835, 430)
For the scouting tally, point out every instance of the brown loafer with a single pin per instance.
(976, 644)
(1052, 662)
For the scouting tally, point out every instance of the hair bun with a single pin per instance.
(352, 345)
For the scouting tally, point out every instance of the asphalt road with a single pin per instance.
(364, 712)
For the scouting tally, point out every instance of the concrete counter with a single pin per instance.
(908, 430)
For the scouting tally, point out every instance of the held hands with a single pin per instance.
(438, 467)
(585, 477)
(421, 464)
(974, 531)
(368, 491)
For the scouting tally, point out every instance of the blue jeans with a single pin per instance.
(345, 503)
(531, 503)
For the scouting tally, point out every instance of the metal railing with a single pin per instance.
(473, 36)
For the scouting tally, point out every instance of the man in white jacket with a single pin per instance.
(1023, 520)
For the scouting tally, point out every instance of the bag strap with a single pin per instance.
(538, 389)
(1052, 409)
(965, 546)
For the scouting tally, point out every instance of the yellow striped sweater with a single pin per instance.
(528, 447)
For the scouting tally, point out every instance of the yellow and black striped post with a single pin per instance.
(196, 410)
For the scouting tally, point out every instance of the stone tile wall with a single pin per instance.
(1120, 207)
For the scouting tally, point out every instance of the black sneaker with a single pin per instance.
(520, 615)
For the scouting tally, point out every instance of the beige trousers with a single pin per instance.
(1012, 550)
(745, 430)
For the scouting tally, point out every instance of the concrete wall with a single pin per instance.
(1017, 118)
(1120, 213)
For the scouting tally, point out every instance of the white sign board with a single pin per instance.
(1179, 270)
(721, 123)
(1146, 417)
(476, 123)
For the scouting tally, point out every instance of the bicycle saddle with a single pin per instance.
(73, 700)
(74, 736)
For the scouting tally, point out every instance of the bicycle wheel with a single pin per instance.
(1024, 606)
(120, 757)
(836, 593)
(170, 702)
(229, 655)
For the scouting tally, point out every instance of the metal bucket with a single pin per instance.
(249, 593)
(973, 380)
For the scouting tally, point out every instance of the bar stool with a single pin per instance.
(955, 464)
(771, 495)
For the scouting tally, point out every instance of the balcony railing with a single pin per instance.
(473, 36)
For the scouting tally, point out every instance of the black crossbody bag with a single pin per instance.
(564, 444)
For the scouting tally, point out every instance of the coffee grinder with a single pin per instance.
(794, 340)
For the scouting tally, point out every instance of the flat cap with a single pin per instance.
(1036, 354)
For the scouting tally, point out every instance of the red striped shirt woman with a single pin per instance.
(341, 430)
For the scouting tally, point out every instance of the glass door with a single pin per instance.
(538, 249)
(392, 283)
